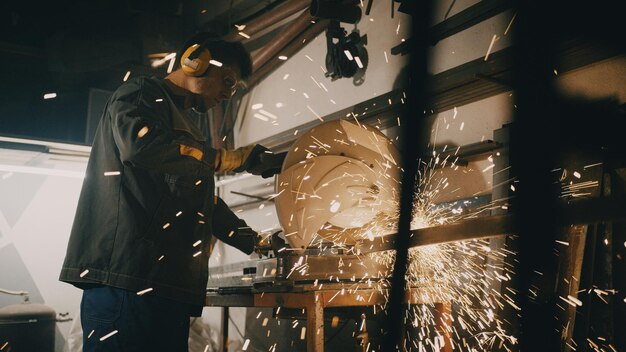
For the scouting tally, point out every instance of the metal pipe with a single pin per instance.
(285, 37)
(277, 14)
(308, 35)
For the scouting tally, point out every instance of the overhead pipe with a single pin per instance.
(262, 22)
(292, 30)
(291, 49)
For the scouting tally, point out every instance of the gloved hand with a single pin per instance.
(261, 161)
(266, 243)
(262, 245)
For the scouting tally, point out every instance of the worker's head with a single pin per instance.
(213, 68)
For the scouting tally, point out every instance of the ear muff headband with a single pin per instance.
(195, 60)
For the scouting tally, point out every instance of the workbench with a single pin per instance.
(314, 302)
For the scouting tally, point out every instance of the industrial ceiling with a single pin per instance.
(72, 48)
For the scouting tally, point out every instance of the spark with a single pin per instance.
(50, 96)
(197, 253)
(84, 273)
(282, 57)
(142, 292)
(386, 59)
(216, 63)
(108, 335)
(197, 243)
(314, 113)
(268, 114)
(591, 165)
(493, 40)
(303, 333)
(197, 183)
(243, 34)
(510, 23)
(261, 117)
(245, 345)
(158, 100)
(126, 76)
(166, 226)
(111, 173)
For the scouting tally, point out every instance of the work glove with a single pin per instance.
(267, 243)
(261, 161)
(232, 230)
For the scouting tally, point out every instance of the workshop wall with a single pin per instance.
(36, 214)
(298, 91)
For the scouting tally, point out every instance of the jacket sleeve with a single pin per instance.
(145, 138)
(232, 230)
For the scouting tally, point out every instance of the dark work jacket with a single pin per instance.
(144, 215)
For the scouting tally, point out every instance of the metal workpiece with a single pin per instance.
(319, 269)
(576, 212)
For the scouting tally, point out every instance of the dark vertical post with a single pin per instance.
(534, 141)
(225, 319)
(410, 145)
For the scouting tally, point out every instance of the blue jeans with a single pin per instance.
(143, 323)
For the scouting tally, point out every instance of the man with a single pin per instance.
(140, 240)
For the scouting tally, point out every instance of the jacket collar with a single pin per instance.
(180, 119)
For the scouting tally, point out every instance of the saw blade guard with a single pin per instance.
(339, 183)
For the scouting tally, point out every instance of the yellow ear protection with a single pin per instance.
(195, 60)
